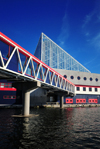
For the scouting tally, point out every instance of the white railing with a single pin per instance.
(21, 62)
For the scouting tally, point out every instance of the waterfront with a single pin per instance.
(52, 128)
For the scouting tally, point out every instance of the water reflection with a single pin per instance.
(53, 128)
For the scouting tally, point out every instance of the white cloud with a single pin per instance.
(95, 13)
(96, 41)
(87, 19)
(90, 27)
(91, 31)
(98, 18)
(64, 34)
(91, 60)
(87, 34)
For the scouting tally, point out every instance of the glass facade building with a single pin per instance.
(55, 57)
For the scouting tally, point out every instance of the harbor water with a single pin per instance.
(50, 128)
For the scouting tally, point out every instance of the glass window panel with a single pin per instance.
(84, 88)
(78, 88)
(90, 89)
(96, 89)
(54, 56)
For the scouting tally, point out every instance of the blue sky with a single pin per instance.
(72, 24)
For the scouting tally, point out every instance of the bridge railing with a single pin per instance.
(15, 59)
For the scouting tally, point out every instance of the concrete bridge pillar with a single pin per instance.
(26, 103)
(26, 87)
(61, 102)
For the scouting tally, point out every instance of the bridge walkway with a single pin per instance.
(28, 72)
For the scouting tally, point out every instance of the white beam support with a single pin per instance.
(58, 79)
(33, 67)
(26, 66)
(46, 75)
(20, 61)
(10, 57)
(38, 71)
(1, 59)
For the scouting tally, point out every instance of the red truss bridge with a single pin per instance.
(28, 72)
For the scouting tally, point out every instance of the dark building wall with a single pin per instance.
(5, 97)
(83, 96)
(38, 97)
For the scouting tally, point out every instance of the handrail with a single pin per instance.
(31, 58)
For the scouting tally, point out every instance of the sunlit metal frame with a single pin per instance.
(55, 57)
(64, 84)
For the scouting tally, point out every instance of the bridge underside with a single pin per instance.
(26, 85)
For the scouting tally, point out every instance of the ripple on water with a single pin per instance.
(52, 128)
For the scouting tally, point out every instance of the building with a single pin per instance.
(87, 83)
(55, 57)
(7, 93)
(27, 73)
(87, 86)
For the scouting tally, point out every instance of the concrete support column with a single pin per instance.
(26, 87)
(61, 102)
(26, 103)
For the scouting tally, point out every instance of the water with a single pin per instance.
(51, 129)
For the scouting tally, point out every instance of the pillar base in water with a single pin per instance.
(61, 102)
(30, 115)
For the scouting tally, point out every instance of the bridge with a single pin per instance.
(27, 72)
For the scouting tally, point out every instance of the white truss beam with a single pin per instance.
(51, 76)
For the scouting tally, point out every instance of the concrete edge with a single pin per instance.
(20, 115)
(51, 106)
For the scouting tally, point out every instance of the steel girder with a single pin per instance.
(19, 62)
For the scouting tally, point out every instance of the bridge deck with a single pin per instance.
(18, 64)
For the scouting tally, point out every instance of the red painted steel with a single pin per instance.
(69, 100)
(7, 89)
(93, 101)
(80, 100)
(87, 86)
(26, 53)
